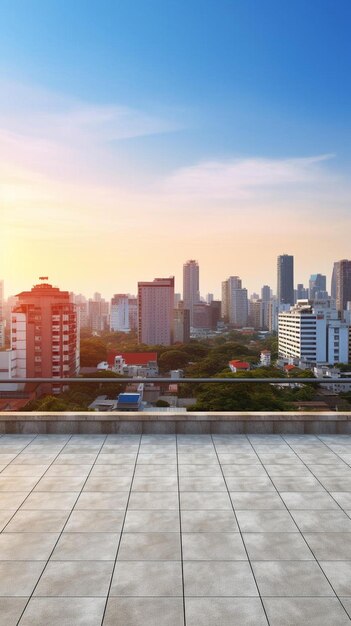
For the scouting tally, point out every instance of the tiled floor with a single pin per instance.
(175, 531)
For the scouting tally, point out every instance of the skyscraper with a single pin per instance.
(342, 277)
(156, 311)
(317, 286)
(234, 301)
(45, 333)
(285, 279)
(266, 293)
(119, 317)
(191, 288)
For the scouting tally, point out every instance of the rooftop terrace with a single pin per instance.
(176, 530)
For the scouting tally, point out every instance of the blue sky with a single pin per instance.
(163, 89)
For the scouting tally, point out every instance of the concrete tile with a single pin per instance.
(150, 471)
(239, 458)
(339, 471)
(144, 611)
(290, 578)
(265, 521)
(75, 459)
(60, 483)
(300, 483)
(68, 470)
(330, 546)
(213, 547)
(311, 611)
(147, 578)
(32, 547)
(11, 500)
(34, 459)
(152, 521)
(342, 497)
(116, 459)
(197, 470)
(208, 521)
(60, 612)
(318, 500)
(255, 500)
(259, 483)
(224, 612)
(287, 471)
(156, 483)
(153, 500)
(86, 547)
(219, 578)
(243, 470)
(210, 500)
(11, 610)
(102, 500)
(149, 547)
(24, 470)
(112, 470)
(339, 576)
(25, 521)
(332, 483)
(322, 521)
(277, 547)
(46, 501)
(75, 578)
(5, 516)
(18, 483)
(200, 483)
(157, 459)
(18, 578)
(105, 483)
(95, 521)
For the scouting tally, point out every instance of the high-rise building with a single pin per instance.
(235, 302)
(342, 271)
(98, 314)
(156, 311)
(285, 279)
(119, 316)
(45, 333)
(317, 286)
(191, 286)
(181, 324)
(312, 333)
(266, 293)
(133, 312)
(2, 320)
(301, 292)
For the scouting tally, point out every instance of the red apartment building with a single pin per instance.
(45, 333)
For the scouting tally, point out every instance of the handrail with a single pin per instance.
(176, 381)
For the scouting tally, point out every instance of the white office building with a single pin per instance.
(119, 313)
(312, 333)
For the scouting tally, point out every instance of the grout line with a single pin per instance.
(64, 526)
(121, 533)
(301, 533)
(181, 535)
(241, 535)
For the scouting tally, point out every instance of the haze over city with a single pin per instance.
(119, 161)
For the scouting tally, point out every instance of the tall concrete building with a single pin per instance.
(312, 333)
(119, 313)
(45, 333)
(181, 324)
(285, 279)
(234, 302)
(317, 287)
(133, 312)
(191, 286)
(342, 277)
(266, 293)
(156, 311)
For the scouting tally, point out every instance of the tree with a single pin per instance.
(172, 360)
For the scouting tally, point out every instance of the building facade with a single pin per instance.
(119, 313)
(45, 333)
(312, 333)
(156, 312)
(191, 286)
(285, 279)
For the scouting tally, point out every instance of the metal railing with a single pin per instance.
(128, 380)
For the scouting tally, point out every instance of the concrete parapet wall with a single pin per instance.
(114, 422)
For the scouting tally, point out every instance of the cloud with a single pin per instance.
(243, 178)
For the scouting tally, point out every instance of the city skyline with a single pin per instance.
(224, 149)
